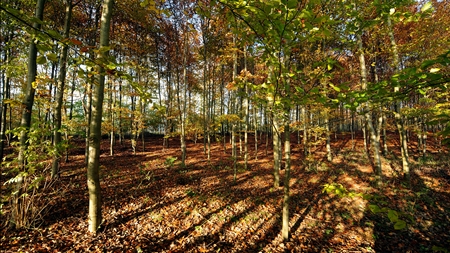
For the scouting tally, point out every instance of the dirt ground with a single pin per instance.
(152, 204)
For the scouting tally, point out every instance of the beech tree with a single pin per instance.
(27, 113)
(93, 169)
(278, 33)
(60, 90)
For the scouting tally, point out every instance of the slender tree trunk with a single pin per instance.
(133, 125)
(255, 118)
(375, 144)
(4, 110)
(93, 170)
(287, 177)
(234, 149)
(267, 128)
(276, 150)
(30, 90)
(246, 111)
(120, 115)
(398, 106)
(70, 110)
(89, 88)
(5, 95)
(305, 133)
(423, 128)
(182, 104)
(141, 125)
(60, 92)
(112, 102)
(26, 114)
(328, 144)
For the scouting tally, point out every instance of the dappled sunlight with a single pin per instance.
(152, 205)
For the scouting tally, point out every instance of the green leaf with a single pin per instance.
(111, 66)
(41, 59)
(54, 34)
(335, 88)
(52, 57)
(315, 90)
(393, 216)
(145, 3)
(104, 49)
(426, 7)
(400, 224)
(43, 47)
(440, 249)
(374, 208)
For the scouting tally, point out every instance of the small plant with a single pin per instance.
(27, 181)
(311, 165)
(439, 249)
(393, 215)
(170, 161)
(190, 193)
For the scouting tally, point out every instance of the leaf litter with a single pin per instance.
(152, 206)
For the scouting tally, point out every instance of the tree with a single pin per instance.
(93, 169)
(28, 109)
(60, 91)
(277, 28)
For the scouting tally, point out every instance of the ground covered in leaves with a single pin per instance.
(152, 204)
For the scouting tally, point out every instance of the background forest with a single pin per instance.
(207, 126)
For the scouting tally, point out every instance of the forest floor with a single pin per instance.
(152, 204)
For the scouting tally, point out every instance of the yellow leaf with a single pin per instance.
(434, 70)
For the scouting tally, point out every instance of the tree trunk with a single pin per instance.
(30, 90)
(60, 92)
(328, 144)
(27, 112)
(182, 103)
(89, 88)
(112, 102)
(234, 149)
(5, 95)
(287, 177)
(93, 179)
(255, 118)
(375, 143)
(276, 151)
(4, 109)
(398, 106)
(305, 133)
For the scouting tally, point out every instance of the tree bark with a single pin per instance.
(93, 170)
(398, 106)
(60, 92)
(5, 95)
(287, 177)
(276, 151)
(328, 144)
(26, 113)
(375, 143)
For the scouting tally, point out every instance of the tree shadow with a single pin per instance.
(424, 206)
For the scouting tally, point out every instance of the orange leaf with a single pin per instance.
(76, 42)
